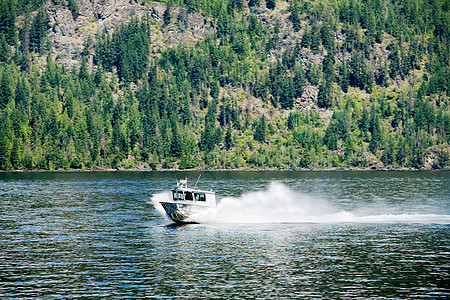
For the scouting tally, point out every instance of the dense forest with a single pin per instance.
(379, 72)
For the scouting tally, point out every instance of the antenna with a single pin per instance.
(197, 180)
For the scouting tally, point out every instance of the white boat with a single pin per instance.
(185, 202)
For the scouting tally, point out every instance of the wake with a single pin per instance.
(279, 204)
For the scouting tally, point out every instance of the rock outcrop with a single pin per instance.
(68, 35)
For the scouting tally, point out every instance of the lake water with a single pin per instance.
(280, 235)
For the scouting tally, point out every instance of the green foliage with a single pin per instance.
(167, 16)
(261, 130)
(6, 92)
(193, 106)
(330, 138)
(73, 7)
(38, 31)
(8, 13)
(5, 50)
(127, 50)
(375, 130)
(324, 99)
(295, 9)
(271, 4)
(6, 140)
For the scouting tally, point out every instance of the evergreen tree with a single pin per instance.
(330, 138)
(5, 50)
(375, 130)
(5, 89)
(253, 3)
(261, 130)
(287, 93)
(167, 16)
(389, 153)
(228, 140)
(394, 59)
(208, 138)
(271, 4)
(294, 8)
(327, 38)
(73, 7)
(299, 81)
(315, 37)
(345, 77)
(224, 25)
(22, 95)
(6, 141)
(8, 20)
(314, 73)
(364, 121)
(306, 39)
(324, 97)
(177, 141)
(38, 31)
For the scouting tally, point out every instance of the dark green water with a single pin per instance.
(327, 235)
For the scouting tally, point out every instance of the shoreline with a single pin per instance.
(340, 169)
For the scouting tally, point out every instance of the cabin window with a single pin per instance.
(200, 197)
(178, 196)
(188, 196)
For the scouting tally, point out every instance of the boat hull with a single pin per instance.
(181, 212)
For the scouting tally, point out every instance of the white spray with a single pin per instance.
(156, 199)
(279, 204)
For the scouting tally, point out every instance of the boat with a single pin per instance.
(185, 202)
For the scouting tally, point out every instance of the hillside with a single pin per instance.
(183, 84)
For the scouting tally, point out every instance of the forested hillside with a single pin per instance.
(219, 84)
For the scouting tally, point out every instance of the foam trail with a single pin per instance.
(276, 205)
(399, 218)
(279, 204)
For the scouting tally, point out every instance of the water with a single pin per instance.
(282, 235)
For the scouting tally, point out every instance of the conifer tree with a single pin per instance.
(306, 39)
(73, 7)
(6, 140)
(38, 31)
(261, 130)
(324, 98)
(299, 81)
(271, 4)
(315, 37)
(5, 88)
(330, 138)
(375, 130)
(294, 8)
(5, 50)
(253, 2)
(8, 20)
(167, 16)
(22, 95)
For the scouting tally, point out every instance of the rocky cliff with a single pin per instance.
(69, 36)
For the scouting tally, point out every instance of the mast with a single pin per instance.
(195, 186)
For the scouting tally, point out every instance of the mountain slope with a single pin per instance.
(225, 84)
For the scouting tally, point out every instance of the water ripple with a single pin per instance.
(94, 235)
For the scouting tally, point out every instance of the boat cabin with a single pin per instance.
(182, 193)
